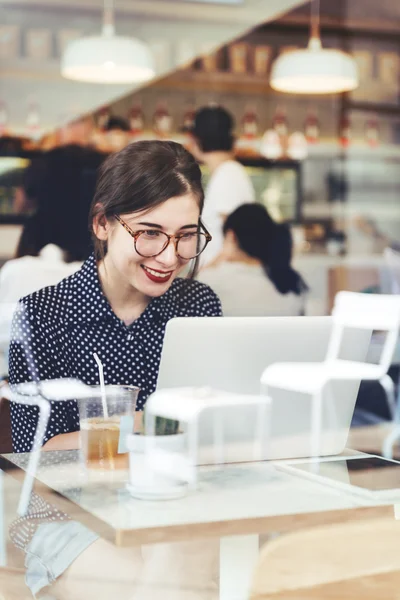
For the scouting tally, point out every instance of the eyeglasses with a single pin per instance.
(152, 242)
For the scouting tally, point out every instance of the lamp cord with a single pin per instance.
(108, 17)
(315, 18)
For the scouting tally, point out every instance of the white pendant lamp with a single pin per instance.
(107, 58)
(314, 70)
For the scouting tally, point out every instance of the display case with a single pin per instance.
(278, 186)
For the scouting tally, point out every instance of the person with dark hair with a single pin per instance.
(116, 134)
(229, 185)
(146, 228)
(55, 240)
(145, 219)
(62, 186)
(253, 275)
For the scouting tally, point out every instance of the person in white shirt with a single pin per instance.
(229, 185)
(252, 276)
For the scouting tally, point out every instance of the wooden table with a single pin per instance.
(235, 502)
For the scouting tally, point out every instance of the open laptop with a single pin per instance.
(230, 354)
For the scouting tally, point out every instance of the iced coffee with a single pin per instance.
(101, 441)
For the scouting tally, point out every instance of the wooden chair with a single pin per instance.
(324, 558)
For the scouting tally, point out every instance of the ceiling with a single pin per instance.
(33, 32)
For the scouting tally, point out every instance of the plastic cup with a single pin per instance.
(103, 440)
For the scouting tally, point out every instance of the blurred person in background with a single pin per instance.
(58, 188)
(229, 185)
(24, 201)
(252, 275)
(115, 135)
(55, 240)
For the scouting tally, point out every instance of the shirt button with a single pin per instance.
(129, 337)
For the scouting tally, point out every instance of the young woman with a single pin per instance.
(146, 222)
(253, 276)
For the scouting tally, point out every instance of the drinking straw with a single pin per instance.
(102, 386)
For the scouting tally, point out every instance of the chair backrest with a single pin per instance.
(392, 258)
(7, 310)
(373, 312)
(20, 335)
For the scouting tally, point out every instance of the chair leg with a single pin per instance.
(388, 386)
(389, 442)
(316, 423)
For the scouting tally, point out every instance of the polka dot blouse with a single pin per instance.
(63, 325)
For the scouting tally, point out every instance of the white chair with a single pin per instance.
(7, 310)
(186, 405)
(351, 310)
(40, 394)
(392, 259)
(44, 415)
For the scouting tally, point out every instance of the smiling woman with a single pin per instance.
(145, 219)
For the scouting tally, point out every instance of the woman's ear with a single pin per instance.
(101, 227)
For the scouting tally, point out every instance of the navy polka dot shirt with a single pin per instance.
(63, 325)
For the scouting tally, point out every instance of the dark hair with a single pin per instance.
(62, 184)
(142, 176)
(117, 123)
(212, 128)
(261, 237)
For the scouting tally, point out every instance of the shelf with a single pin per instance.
(220, 81)
(390, 110)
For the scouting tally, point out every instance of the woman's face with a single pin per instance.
(149, 276)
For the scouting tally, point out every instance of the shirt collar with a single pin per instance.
(52, 253)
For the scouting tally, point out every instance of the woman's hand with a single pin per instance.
(72, 441)
(64, 441)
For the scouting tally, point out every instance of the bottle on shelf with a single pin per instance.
(372, 132)
(281, 128)
(297, 146)
(250, 123)
(280, 122)
(188, 118)
(162, 121)
(344, 131)
(33, 120)
(98, 137)
(248, 142)
(312, 127)
(270, 145)
(102, 117)
(136, 120)
(185, 137)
